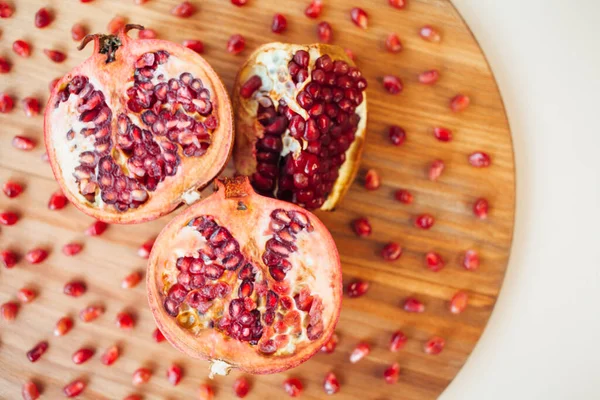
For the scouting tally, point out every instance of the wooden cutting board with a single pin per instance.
(107, 259)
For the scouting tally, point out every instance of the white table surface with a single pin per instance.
(543, 339)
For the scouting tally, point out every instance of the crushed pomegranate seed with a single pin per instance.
(8, 218)
(63, 326)
(43, 18)
(361, 350)
(37, 351)
(147, 34)
(397, 135)
(429, 77)
(26, 295)
(400, 4)
(372, 180)
(324, 32)
(404, 196)
(29, 391)
(6, 10)
(480, 208)
(78, 32)
(430, 34)
(22, 48)
(398, 341)
(424, 221)
(57, 201)
(331, 385)
(471, 260)
(8, 258)
(458, 303)
(361, 227)
(435, 169)
(236, 44)
(184, 10)
(9, 311)
(392, 84)
(82, 355)
(293, 387)
(195, 45)
(6, 103)
(31, 106)
(5, 66)
(75, 288)
(241, 387)
(459, 103)
(146, 248)
(434, 346)
(125, 321)
(330, 345)
(96, 229)
(442, 134)
(158, 336)
(480, 159)
(205, 392)
(393, 43)
(314, 9)
(36, 256)
(116, 24)
(131, 280)
(74, 388)
(357, 288)
(141, 375)
(359, 17)
(391, 373)
(110, 355)
(239, 3)
(391, 251)
(90, 313)
(174, 373)
(413, 305)
(55, 55)
(71, 249)
(434, 261)
(279, 23)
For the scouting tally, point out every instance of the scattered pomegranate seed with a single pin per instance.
(110, 355)
(324, 31)
(86, 1)
(57, 201)
(359, 17)
(158, 336)
(459, 103)
(174, 373)
(372, 180)
(22, 48)
(279, 23)
(331, 385)
(397, 135)
(349, 53)
(435, 169)
(480, 159)
(403, 196)
(52, 84)
(96, 229)
(9, 258)
(74, 388)
(141, 375)
(82, 355)
(140, 2)
(195, 45)
(391, 251)
(361, 227)
(236, 44)
(37, 351)
(43, 18)
(147, 34)
(146, 248)
(75, 288)
(398, 3)
(429, 77)
(183, 10)
(391, 373)
(398, 341)
(205, 392)
(30, 391)
(241, 387)
(239, 3)
(424, 221)
(26, 295)
(392, 84)
(78, 32)
(458, 303)
(6, 10)
(471, 261)
(480, 208)
(330, 345)
(360, 351)
(55, 55)
(6, 103)
(71, 249)
(413, 305)
(131, 280)
(357, 288)
(442, 134)
(5, 66)
(133, 397)
(12, 189)
(293, 387)
(314, 9)
(63, 326)
(36, 256)
(434, 261)
(125, 321)
(393, 44)
(8, 218)
(31, 106)
(90, 313)
(9, 310)
(435, 345)
(430, 34)
(116, 24)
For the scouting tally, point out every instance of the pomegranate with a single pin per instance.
(245, 281)
(133, 131)
(300, 123)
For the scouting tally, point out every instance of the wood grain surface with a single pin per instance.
(105, 260)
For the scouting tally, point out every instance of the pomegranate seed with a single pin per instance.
(480, 208)
(116, 24)
(359, 17)
(391, 373)
(241, 387)
(6, 103)
(5, 66)
(293, 387)
(391, 251)
(195, 45)
(403, 196)
(52, 84)
(398, 341)
(57, 201)
(131, 280)
(424, 221)
(96, 229)
(459, 103)
(42, 18)
(183, 10)
(331, 385)
(110, 356)
(55, 55)
(205, 392)
(372, 180)
(330, 345)
(239, 3)
(36, 256)
(480, 159)
(140, 2)
(8, 218)
(429, 77)
(349, 53)
(314, 9)
(434, 261)
(435, 169)
(78, 32)
(471, 260)
(74, 388)
(392, 84)
(397, 135)
(125, 321)
(442, 134)
(430, 34)
(236, 44)
(86, 1)
(31, 106)
(70, 249)
(26, 295)
(398, 3)
(37, 351)
(30, 391)
(82, 355)
(361, 227)
(174, 374)
(133, 397)
(413, 305)
(9, 258)
(458, 303)
(9, 311)
(279, 23)
(360, 351)
(146, 248)
(324, 31)
(435, 345)
(147, 34)
(90, 313)
(22, 48)
(12, 189)
(63, 326)
(393, 44)
(6, 10)
(141, 375)
(357, 288)
(158, 336)
(75, 288)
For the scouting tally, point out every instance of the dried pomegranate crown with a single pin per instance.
(134, 130)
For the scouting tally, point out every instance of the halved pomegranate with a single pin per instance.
(245, 281)
(301, 115)
(137, 128)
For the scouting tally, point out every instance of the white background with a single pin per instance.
(543, 339)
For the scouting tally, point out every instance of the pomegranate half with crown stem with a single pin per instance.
(137, 128)
(301, 114)
(245, 281)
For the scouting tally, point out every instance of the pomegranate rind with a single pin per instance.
(193, 174)
(211, 344)
(248, 130)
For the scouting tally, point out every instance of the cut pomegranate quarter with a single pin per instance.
(136, 129)
(245, 281)
(301, 115)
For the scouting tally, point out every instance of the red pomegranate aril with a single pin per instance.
(22, 48)
(63, 326)
(26, 295)
(43, 18)
(424, 221)
(36, 256)
(146, 248)
(250, 86)
(75, 288)
(195, 45)
(279, 23)
(37, 351)
(5, 66)
(6, 103)
(205, 392)
(330, 345)
(6, 10)
(29, 391)
(125, 321)
(82, 355)
(442, 134)
(241, 387)
(174, 373)
(391, 373)
(55, 55)
(404, 196)
(393, 43)
(398, 341)
(480, 159)
(90, 313)
(324, 31)
(8, 218)
(131, 280)
(434, 346)
(110, 355)
(430, 34)
(133, 397)
(429, 77)
(459, 103)
(471, 260)
(23, 143)
(359, 17)
(293, 387)
(434, 261)
(360, 351)
(397, 135)
(184, 10)
(331, 385)
(314, 9)
(239, 3)
(147, 34)
(372, 181)
(458, 303)
(96, 229)
(158, 336)
(480, 208)
(31, 106)
(9, 310)
(400, 4)
(12, 189)
(57, 201)
(71, 249)
(9, 258)
(141, 375)
(435, 169)
(392, 84)
(74, 388)
(391, 251)
(116, 24)
(236, 44)
(78, 32)
(361, 227)
(413, 305)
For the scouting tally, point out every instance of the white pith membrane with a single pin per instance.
(271, 64)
